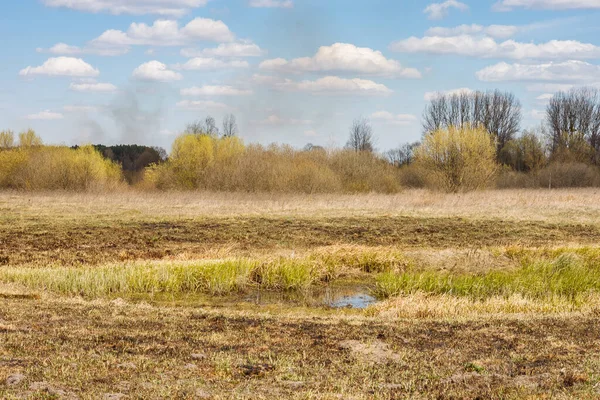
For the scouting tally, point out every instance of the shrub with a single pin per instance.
(458, 159)
(29, 139)
(211, 163)
(51, 168)
(567, 175)
(7, 139)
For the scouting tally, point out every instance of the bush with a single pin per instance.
(7, 139)
(49, 168)
(568, 175)
(458, 159)
(225, 164)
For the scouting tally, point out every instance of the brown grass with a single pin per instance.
(413, 346)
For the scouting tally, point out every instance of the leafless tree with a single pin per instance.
(403, 155)
(196, 128)
(498, 112)
(361, 136)
(230, 127)
(211, 126)
(573, 117)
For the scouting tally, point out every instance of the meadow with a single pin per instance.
(152, 295)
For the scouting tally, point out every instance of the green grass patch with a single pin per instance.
(540, 275)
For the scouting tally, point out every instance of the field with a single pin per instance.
(136, 295)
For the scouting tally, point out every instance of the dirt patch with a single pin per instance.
(376, 351)
(89, 242)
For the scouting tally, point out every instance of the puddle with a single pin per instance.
(334, 296)
(359, 301)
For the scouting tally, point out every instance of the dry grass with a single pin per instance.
(560, 205)
(418, 345)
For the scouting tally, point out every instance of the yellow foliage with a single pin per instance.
(29, 139)
(225, 164)
(458, 159)
(51, 168)
(7, 139)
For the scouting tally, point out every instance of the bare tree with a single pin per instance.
(497, 112)
(211, 126)
(361, 136)
(196, 128)
(573, 118)
(403, 155)
(230, 127)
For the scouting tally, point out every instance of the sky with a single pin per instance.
(291, 71)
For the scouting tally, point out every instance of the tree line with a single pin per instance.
(470, 140)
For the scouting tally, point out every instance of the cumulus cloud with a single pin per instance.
(93, 87)
(174, 8)
(210, 64)
(549, 87)
(62, 66)
(544, 97)
(46, 115)
(201, 105)
(80, 109)
(536, 114)
(394, 119)
(156, 71)
(507, 5)
(276, 120)
(329, 85)
(271, 3)
(496, 31)
(166, 33)
(433, 95)
(343, 57)
(214, 91)
(441, 10)
(238, 49)
(67, 50)
(556, 72)
(486, 47)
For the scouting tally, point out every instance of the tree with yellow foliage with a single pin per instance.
(458, 159)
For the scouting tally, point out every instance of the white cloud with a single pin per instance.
(166, 33)
(67, 50)
(156, 71)
(343, 57)
(210, 64)
(214, 91)
(394, 119)
(93, 87)
(536, 114)
(507, 5)
(486, 47)
(162, 7)
(276, 120)
(311, 133)
(432, 95)
(496, 31)
(330, 85)
(271, 3)
(549, 87)
(46, 115)
(201, 105)
(241, 49)
(554, 72)
(441, 10)
(62, 66)
(544, 97)
(80, 109)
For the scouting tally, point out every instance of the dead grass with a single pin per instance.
(89, 349)
(561, 205)
(413, 346)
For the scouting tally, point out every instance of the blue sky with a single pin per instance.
(292, 71)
